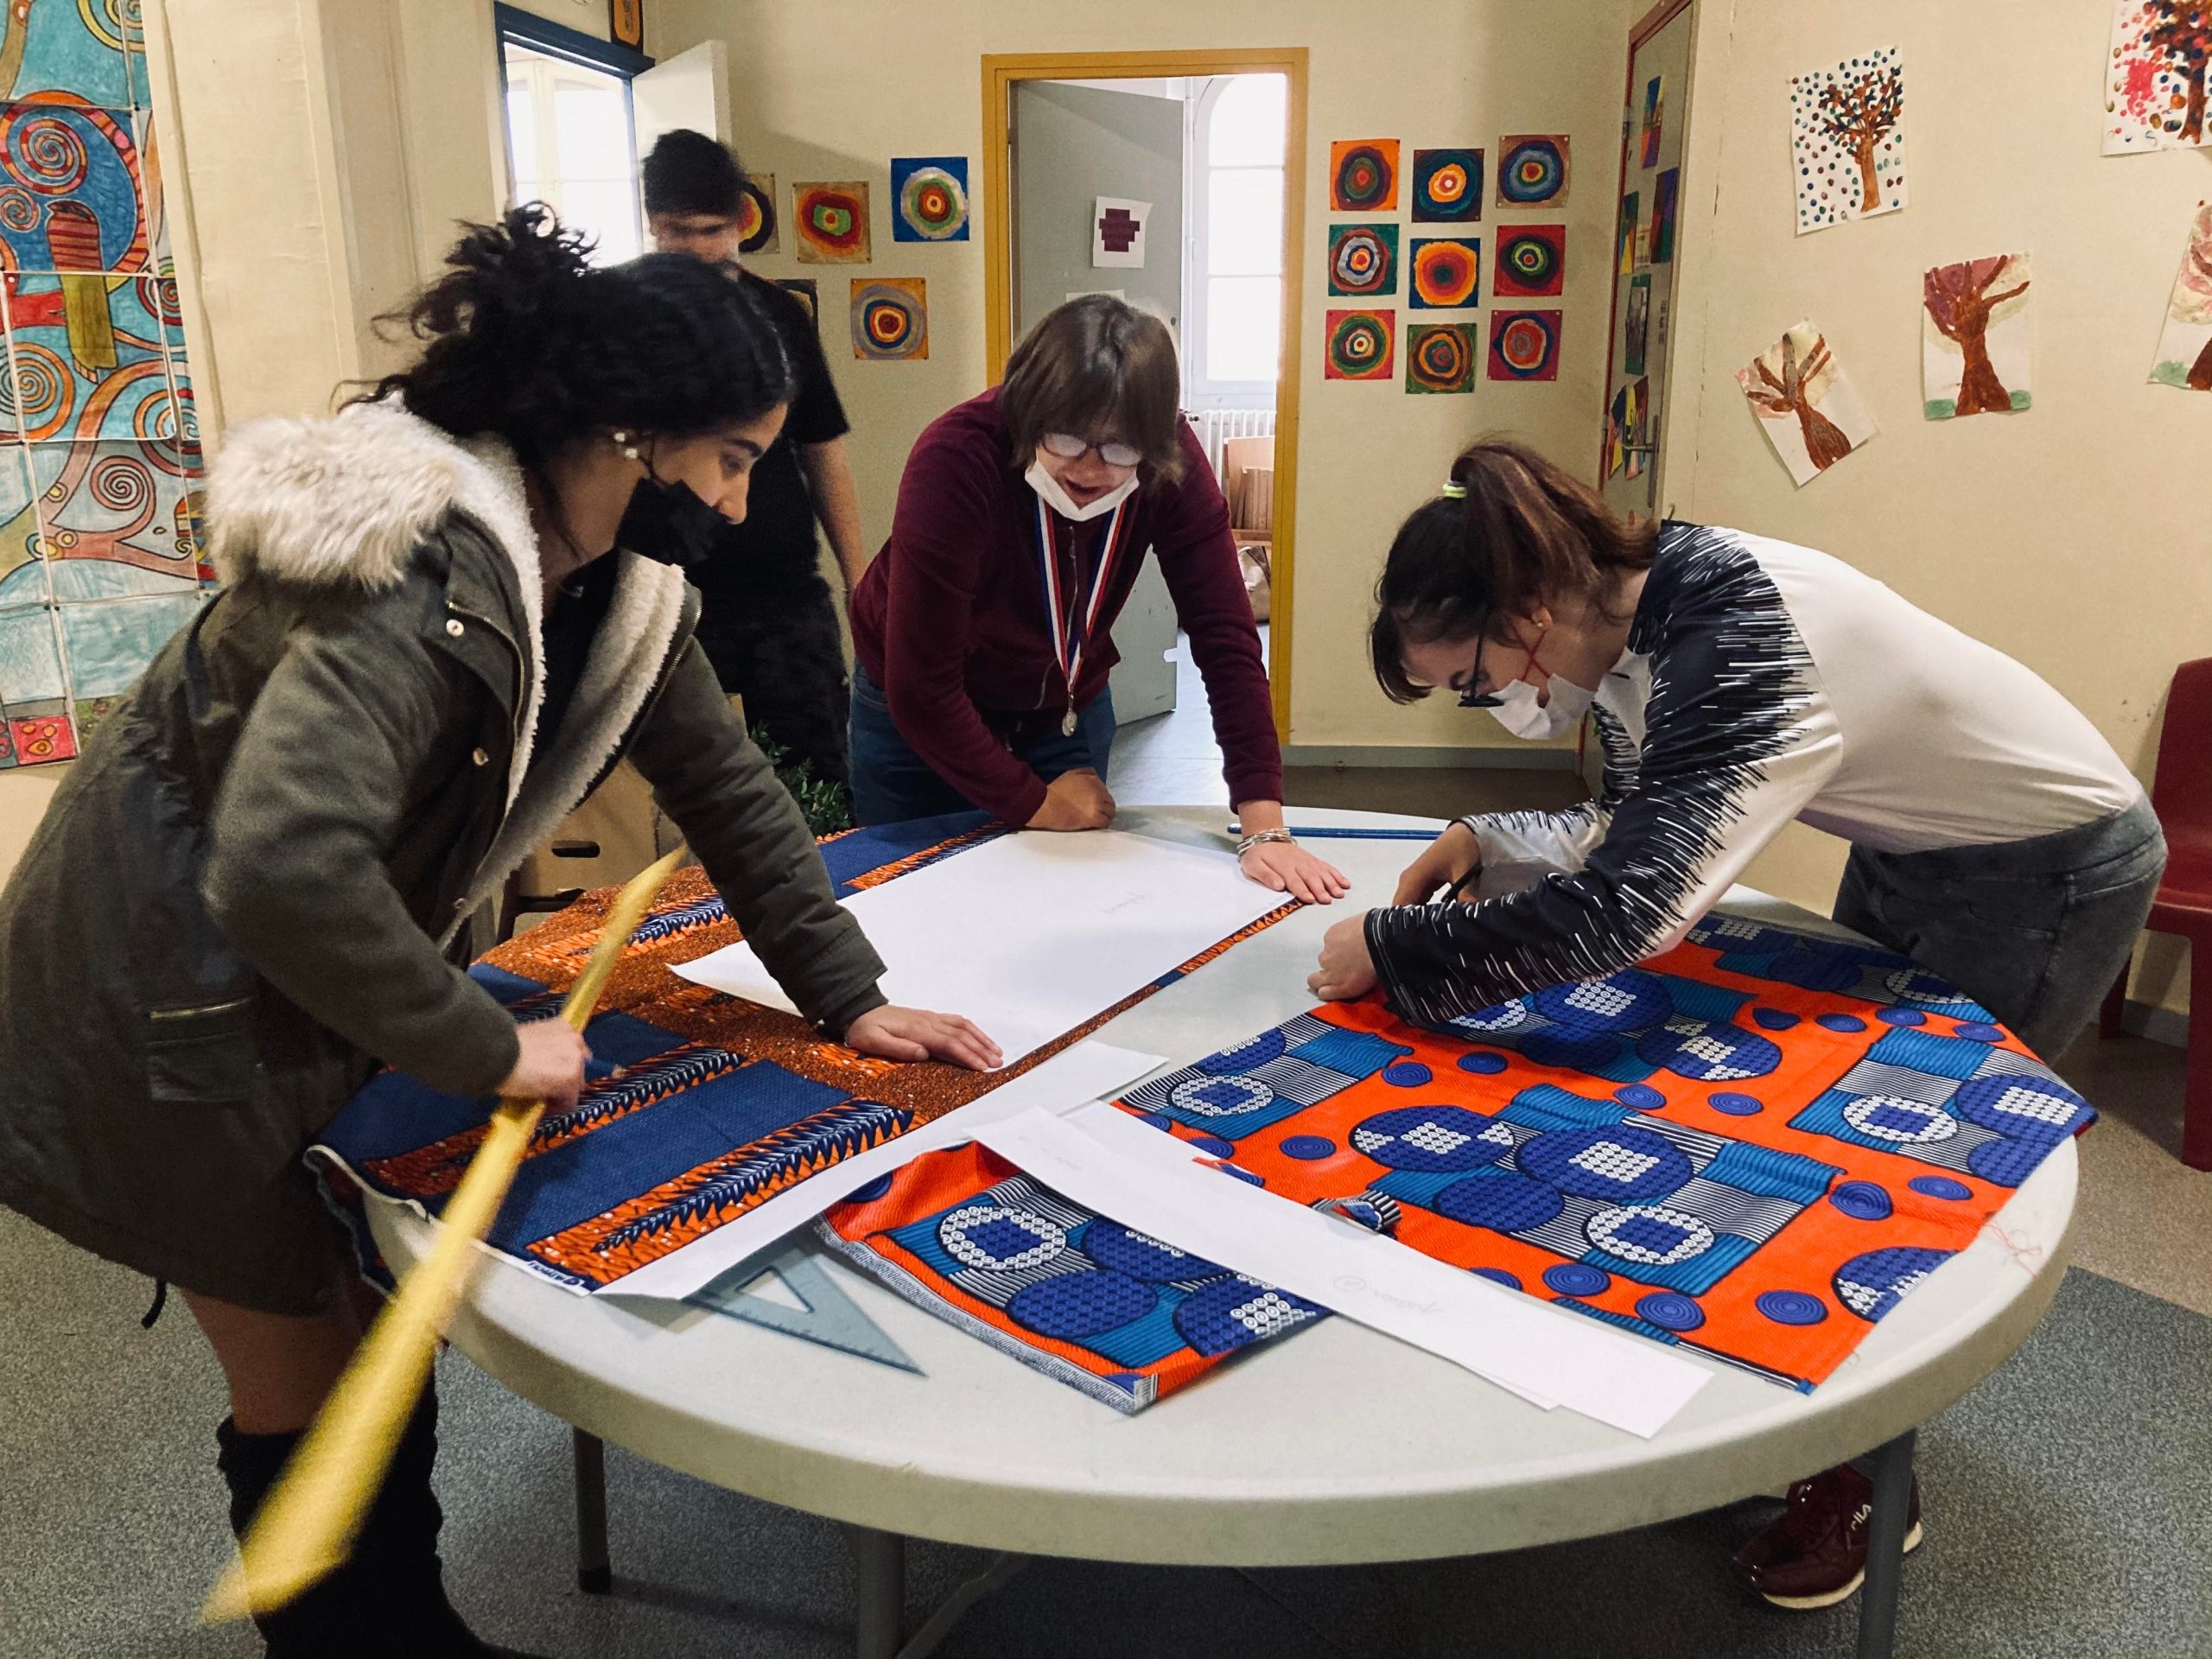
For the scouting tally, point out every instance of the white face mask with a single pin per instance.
(1055, 495)
(1522, 715)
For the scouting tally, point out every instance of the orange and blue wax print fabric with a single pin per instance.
(1753, 1146)
(697, 1106)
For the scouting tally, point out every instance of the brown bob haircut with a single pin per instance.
(1102, 369)
(1528, 534)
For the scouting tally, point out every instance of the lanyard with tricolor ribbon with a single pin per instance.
(1070, 629)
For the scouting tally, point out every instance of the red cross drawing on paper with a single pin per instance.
(1118, 230)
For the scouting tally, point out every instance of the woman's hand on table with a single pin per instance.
(1347, 969)
(895, 1033)
(550, 1067)
(1286, 866)
(1450, 859)
(1074, 800)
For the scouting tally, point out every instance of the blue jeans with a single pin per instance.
(891, 783)
(2035, 931)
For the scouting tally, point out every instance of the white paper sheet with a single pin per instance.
(1086, 1071)
(1031, 935)
(1107, 1161)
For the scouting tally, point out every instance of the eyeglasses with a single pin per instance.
(1472, 698)
(1068, 446)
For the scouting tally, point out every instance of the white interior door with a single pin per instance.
(689, 90)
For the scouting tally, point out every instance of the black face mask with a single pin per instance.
(669, 522)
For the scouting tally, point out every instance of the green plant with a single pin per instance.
(825, 802)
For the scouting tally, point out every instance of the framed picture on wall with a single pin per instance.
(626, 19)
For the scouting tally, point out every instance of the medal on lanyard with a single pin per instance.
(1070, 625)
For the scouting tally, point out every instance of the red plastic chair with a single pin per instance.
(2183, 795)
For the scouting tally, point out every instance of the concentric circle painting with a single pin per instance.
(1363, 175)
(830, 221)
(1440, 357)
(1447, 186)
(891, 318)
(1524, 345)
(929, 197)
(1446, 272)
(756, 214)
(1361, 346)
(1362, 260)
(1532, 169)
(1531, 261)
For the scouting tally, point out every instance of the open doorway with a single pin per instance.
(1189, 168)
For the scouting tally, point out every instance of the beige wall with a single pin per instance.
(2072, 536)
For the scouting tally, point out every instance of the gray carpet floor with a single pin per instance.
(2067, 1504)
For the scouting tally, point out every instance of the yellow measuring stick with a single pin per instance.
(306, 1526)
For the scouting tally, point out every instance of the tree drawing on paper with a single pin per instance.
(2185, 345)
(1848, 138)
(2159, 51)
(1965, 305)
(1811, 414)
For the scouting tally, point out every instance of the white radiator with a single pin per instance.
(1217, 426)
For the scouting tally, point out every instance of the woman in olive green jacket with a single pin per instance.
(252, 888)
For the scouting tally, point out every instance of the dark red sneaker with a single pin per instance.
(1815, 1554)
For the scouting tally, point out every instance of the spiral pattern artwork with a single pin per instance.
(1524, 345)
(1362, 260)
(1531, 261)
(1440, 357)
(756, 214)
(929, 198)
(831, 221)
(1363, 175)
(1446, 272)
(1533, 170)
(1361, 346)
(1447, 186)
(891, 318)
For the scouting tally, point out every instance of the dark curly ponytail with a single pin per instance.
(525, 338)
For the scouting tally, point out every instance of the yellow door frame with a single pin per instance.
(1000, 71)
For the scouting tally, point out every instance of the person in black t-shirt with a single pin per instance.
(767, 622)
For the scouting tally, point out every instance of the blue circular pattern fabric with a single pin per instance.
(1901, 1016)
(1650, 1235)
(1248, 1056)
(1223, 1096)
(998, 1238)
(1243, 1175)
(1620, 1165)
(1941, 1186)
(1870, 1285)
(1817, 968)
(1140, 1255)
(874, 1190)
(1482, 1064)
(1630, 1001)
(1572, 1051)
(2028, 1107)
(1976, 1031)
(1431, 1140)
(1791, 1307)
(1862, 1201)
(1708, 1051)
(1575, 1279)
(1918, 985)
(1234, 1312)
(1670, 1311)
(2007, 1160)
(1840, 1021)
(1077, 1305)
(1505, 1202)
(1736, 1105)
(1407, 1074)
(1213, 1145)
(1497, 1275)
(1775, 1019)
(1642, 1096)
(1307, 1147)
(1899, 1120)
(1501, 1016)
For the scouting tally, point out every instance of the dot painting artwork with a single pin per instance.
(830, 221)
(929, 199)
(2157, 76)
(1362, 345)
(1531, 262)
(1532, 169)
(757, 218)
(1440, 358)
(1524, 344)
(1447, 186)
(1362, 260)
(1363, 175)
(891, 318)
(1847, 139)
(1446, 272)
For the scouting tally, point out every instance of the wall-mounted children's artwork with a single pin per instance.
(1447, 186)
(1638, 335)
(2154, 96)
(1616, 433)
(1812, 416)
(2185, 343)
(1363, 175)
(756, 214)
(1847, 135)
(1664, 197)
(1524, 345)
(1655, 97)
(1118, 232)
(1446, 272)
(1440, 357)
(626, 22)
(1639, 427)
(802, 290)
(1624, 238)
(891, 318)
(1531, 261)
(831, 222)
(1362, 260)
(1532, 169)
(1974, 332)
(1362, 344)
(929, 199)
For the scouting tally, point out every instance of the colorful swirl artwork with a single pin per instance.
(1447, 186)
(891, 318)
(1363, 175)
(1531, 261)
(1362, 345)
(1447, 271)
(1533, 172)
(1524, 345)
(1362, 260)
(1440, 357)
(831, 222)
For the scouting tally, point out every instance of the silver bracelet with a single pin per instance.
(1260, 837)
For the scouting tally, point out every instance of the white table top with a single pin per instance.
(1336, 1445)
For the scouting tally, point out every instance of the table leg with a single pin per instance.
(594, 1575)
(880, 1590)
(1891, 1466)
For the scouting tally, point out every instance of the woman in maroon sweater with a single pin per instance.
(982, 629)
